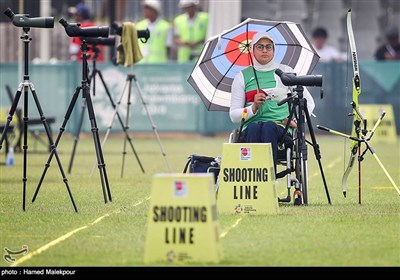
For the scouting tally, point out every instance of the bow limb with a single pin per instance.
(357, 119)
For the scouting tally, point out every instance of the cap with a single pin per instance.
(320, 32)
(258, 36)
(392, 32)
(154, 4)
(188, 3)
(80, 9)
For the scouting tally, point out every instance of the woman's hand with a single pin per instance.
(292, 124)
(259, 99)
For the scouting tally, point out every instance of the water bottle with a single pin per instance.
(10, 157)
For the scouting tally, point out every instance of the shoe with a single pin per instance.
(297, 197)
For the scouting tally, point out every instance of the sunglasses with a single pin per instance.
(261, 47)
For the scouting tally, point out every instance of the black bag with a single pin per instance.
(202, 164)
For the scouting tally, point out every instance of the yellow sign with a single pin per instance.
(183, 222)
(247, 179)
(386, 129)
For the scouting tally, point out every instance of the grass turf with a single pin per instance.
(113, 234)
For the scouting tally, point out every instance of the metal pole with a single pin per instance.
(45, 11)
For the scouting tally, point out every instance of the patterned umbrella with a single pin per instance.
(226, 54)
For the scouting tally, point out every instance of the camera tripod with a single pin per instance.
(299, 110)
(85, 88)
(26, 85)
(92, 79)
(128, 85)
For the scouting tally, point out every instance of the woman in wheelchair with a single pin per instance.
(258, 89)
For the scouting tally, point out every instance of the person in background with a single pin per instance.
(259, 89)
(390, 50)
(158, 46)
(190, 31)
(81, 15)
(326, 52)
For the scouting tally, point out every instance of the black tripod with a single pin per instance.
(299, 110)
(92, 79)
(25, 85)
(86, 95)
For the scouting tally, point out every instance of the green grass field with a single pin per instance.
(113, 234)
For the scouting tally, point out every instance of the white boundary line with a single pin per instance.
(222, 235)
(65, 237)
(331, 165)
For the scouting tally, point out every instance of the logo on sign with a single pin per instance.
(238, 209)
(245, 154)
(170, 256)
(180, 189)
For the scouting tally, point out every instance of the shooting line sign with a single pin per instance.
(386, 130)
(247, 179)
(182, 224)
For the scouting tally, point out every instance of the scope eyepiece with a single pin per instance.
(23, 20)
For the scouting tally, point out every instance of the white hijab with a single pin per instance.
(272, 65)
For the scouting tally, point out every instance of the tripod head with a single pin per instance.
(110, 41)
(95, 42)
(23, 20)
(298, 93)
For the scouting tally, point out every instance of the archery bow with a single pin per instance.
(355, 145)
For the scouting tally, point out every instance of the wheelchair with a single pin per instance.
(292, 164)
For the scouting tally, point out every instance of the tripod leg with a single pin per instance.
(92, 79)
(3, 135)
(123, 156)
(62, 129)
(301, 161)
(304, 170)
(152, 124)
(124, 128)
(53, 146)
(110, 126)
(76, 136)
(25, 146)
(317, 152)
(99, 153)
(11, 114)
